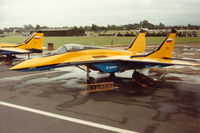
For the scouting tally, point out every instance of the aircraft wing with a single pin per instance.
(13, 51)
(160, 62)
(46, 63)
(139, 62)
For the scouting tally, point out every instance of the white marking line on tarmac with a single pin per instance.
(79, 121)
(27, 75)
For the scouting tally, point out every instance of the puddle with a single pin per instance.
(13, 78)
(177, 67)
(165, 110)
(198, 49)
(32, 81)
(71, 78)
(25, 57)
(70, 68)
(126, 74)
(71, 83)
(188, 53)
(184, 77)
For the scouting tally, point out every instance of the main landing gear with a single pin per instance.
(92, 86)
(141, 79)
(89, 79)
(8, 60)
(112, 75)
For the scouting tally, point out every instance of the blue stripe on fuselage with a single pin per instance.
(9, 52)
(37, 68)
(108, 67)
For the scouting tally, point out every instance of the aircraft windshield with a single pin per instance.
(60, 50)
(68, 48)
(74, 47)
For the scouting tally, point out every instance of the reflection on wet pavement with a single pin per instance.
(128, 93)
(164, 110)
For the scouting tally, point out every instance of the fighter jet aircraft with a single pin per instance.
(33, 44)
(107, 60)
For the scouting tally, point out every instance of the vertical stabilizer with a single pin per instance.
(139, 44)
(33, 43)
(166, 48)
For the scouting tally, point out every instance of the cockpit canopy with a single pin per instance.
(68, 48)
(73, 47)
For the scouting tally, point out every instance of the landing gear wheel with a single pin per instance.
(91, 80)
(112, 75)
(136, 75)
(8, 60)
(138, 79)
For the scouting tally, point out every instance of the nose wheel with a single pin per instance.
(90, 80)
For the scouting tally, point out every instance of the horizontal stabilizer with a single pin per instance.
(13, 51)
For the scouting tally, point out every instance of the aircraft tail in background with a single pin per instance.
(34, 43)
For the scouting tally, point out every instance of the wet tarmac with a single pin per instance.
(170, 104)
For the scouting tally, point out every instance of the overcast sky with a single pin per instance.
(100, 12)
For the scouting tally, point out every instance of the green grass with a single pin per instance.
(91, 33)
(99, 41)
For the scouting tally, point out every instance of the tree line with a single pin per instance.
(96, 28)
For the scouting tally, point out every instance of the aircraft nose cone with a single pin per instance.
(41, 63)
(13, 68)
(21, 66)
(28, 65)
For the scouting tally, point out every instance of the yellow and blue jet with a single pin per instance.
(107, 60)
(33, 44)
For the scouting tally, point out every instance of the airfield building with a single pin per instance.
(62, 32)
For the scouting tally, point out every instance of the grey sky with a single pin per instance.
(100, 12)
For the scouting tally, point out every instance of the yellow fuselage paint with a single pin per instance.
(70, 57)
